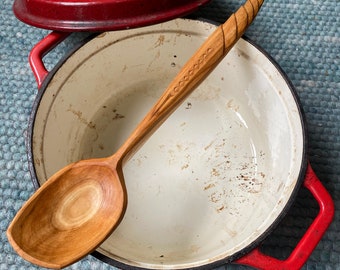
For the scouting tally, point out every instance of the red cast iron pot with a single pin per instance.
(248, 255)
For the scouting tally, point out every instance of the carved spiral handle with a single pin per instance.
(194, 72)
(239, 21)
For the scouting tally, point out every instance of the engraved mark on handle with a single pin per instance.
(196, 66)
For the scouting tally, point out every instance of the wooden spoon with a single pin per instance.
(75, 210)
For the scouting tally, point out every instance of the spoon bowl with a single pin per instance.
(78, 200)
(78, 207)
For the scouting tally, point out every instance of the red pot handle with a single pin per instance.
(40, 50)
(310, 239)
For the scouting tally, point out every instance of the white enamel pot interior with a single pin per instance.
(215, 178)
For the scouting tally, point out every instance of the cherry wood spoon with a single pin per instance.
(75, 210)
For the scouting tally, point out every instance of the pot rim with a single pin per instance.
(250, 246)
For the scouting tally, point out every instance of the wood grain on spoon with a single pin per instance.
(68, 216)
(74, 211)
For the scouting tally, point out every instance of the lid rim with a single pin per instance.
(77, 19)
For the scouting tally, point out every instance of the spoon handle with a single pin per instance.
(192, 74)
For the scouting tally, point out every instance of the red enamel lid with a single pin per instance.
(100, 15)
